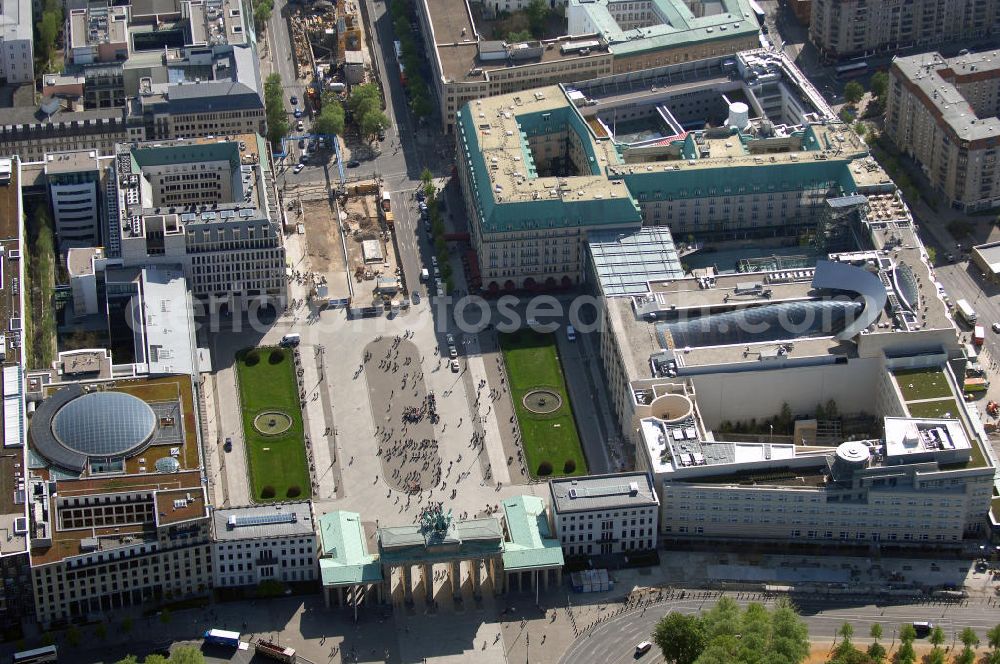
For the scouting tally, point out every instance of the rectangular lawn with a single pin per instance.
(926, 384)
(277, 462)
(532, 363)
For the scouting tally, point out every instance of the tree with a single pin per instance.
(155, 659)
(790, 635)
(518, 36)
(846, 653)
(187, 655)
(937, 636)
(876, 653)
(879, 84)
(537, 11)
(907, 634)
(680, 637)
(845, 632)
(993, 638)
(364, 98)
(374, 122)
(274, 109)
(330, 120)
(853, 92)
(905, 654)
(970, 641)
(128, 659)
(262, 13)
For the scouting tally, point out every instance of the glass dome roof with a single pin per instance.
(104, 423)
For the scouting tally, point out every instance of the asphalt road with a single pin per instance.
(613, 642)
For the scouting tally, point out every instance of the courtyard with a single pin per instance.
(272, 424)
(544, 413)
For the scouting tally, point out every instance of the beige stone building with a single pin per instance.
(943, 114)
(850, 28)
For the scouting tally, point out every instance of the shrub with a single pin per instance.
(545, 468)
(267, 492)
(294, 491)
(277, 356)
(251, 358)
(569, 466)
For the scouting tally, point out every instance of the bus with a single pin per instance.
(36, 656)
(966, 311)
(398, 48)
(852, 69)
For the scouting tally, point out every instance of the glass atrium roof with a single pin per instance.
(104, 423)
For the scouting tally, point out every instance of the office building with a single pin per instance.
(75, 182)
(264, 543)
(729, 148)
(31, 132)
(207, 205)
(856, 28)
(16, 597)
(602, 514)
(942, 112)
(602, 38)
(117, 502)
(17, 55)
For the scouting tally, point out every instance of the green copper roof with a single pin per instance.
(531, 545)
(345, 559)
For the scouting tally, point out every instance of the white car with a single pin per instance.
(454, 366)
(300, 125)
(452, 352)
(298, 168)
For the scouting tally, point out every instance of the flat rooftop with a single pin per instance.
(70, 162)
(168, 318)
(263, 522)
(936, 80)
(457, 43)
(602, 492)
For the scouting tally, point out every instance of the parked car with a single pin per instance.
(298, 168)
(420, 195)
(452, 352)
(354, 163)
(454, 366)
(294, 100)
(642, 648)
(996, 327)
(300, 125)
(228, 446)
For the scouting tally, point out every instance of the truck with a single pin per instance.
(386, 202)
(291, 339)
(221, 637)
(966, 311)
(274, 651)
(979, 335)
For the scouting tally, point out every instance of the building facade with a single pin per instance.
(209, 206)
(943, 113)
(604, 514)
(852, 28)
(17, 56)
(76, 188)
(267, 543)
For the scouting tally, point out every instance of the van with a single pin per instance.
(424, 274)
(922, 628)
(571, 333)
(292, 339)
(643, 648)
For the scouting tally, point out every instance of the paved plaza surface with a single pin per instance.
(405, 433)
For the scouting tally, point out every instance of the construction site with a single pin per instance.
(328, 44)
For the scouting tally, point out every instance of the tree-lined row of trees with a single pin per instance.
(421, 104)
(729, 634)
(274, 109)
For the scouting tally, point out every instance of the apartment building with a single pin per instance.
(602, 514)
(208, 205)
(17, 55)
(17, 601)
(466, 66)
(543, 169)
(31, 133)
(265, 543)
(943, 112)
(118, 510)
(853, 28)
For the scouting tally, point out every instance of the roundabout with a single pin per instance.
(272, 423)
(542, 401)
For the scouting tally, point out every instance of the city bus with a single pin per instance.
(852, 69)
(36, 656)
(398, 48)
